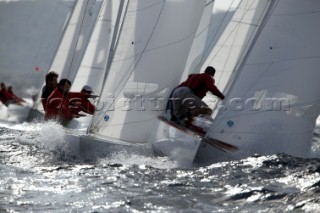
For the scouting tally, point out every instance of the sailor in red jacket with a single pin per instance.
(185, 101)
(17, 99)
(79, 101)
(7, 97)
(58, 107)
(4, 96)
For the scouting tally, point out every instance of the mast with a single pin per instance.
(75, 39)
(112, 47)
(114, 39)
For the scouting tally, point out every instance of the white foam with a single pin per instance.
(48, 135)
(129, 159)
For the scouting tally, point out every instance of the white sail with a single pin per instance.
(94, 62)
(33, 41)
(230, 39)
(148, 63)
(75, 39)
(199, 44)
(274, 101)
(232, 28)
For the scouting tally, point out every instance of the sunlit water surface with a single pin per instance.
(39, 174)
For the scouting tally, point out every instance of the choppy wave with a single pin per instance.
(38, 175)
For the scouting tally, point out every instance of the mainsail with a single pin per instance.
(75, 39)
(273, 101)
(93, 65)
(148, 62)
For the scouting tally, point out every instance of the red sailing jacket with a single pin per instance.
(58, 107)
(7, 97)
(4, 96)
(79, 102)
(14, 97)
(200, 84)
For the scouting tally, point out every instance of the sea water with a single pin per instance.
(39, 174)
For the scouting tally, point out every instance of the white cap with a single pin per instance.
(87, 88)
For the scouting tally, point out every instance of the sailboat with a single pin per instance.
(146, 61)
(272, 97)
(33, 55)
(74, 41)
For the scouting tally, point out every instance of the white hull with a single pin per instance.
(15, 113)
(176, 144)
(188, 149)
(88, 147)
(19, 114)
(184, 148)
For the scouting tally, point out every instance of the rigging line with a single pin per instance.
(206, 27)
(252, 35)
(165, 86)
(225, 63)
(251, 47)
(297, 14)
(155, 48)
(286, 60)
(136, 63)
(266, 18)
(133, 11)
(55, 51)
(113, 46)
(244, 50)
(230, 34)
(78, 37)
(102, 5)
(213, 37)
(73, 56)
(237, 27)
(115, 41)
(212, 1)
(243, 56)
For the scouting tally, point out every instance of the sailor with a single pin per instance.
(57, 106)
(51, 84)
(79, 101)
(14, 97)
(6, 97)
(185, 101)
